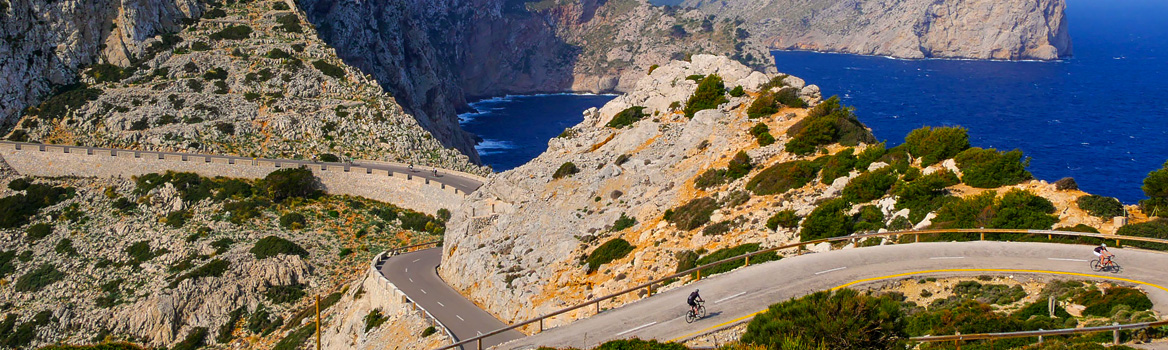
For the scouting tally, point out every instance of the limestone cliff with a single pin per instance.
(678, 190)
(979, 29)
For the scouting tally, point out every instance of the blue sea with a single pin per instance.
(516, 129)
(1098, 117)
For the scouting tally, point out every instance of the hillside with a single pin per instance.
(632, 193)
(977, 29)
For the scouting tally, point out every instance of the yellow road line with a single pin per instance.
(852, 283)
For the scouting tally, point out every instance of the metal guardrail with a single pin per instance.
(958, 338)
(648, 286)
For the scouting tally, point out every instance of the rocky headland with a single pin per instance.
(976, 29)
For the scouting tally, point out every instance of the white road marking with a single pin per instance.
(407, 269)
(1061, 259)
(411, 280)
(946, 257)
(423, 291)
(835, 269)
(729, 297)
(441, 304)
(636, 329)
(460, 318)
(416, 260)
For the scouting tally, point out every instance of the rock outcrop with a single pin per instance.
(979, 29)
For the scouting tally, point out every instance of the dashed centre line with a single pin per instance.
(636, 328)
(946, 257)
(835, 269)
(423, 291)
(1065, 259)
(460, 318)
(416, 260)
(441, 304)
(729, 297)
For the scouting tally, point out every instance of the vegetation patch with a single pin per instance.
(844, 319)
(762, 135)
(1016, 209)
(838, 166)
(933, 145)
(623, 222)
(1156, 188)
(710, 93)
(783, 177)
(612, 250)
(692, 214)
(329, 69)
(1100, 206)
(726, 253)
(829, 122)
(289, 23)
(289, 183)
(827, 220)
(784, 219)
(869, 186)
(924, 194)
(38, 278)
(271, 246)
(293, 221)
(109, 73)
(989, 168)
(65, 100)
(235, 32)
(1153, 229)
(762, 106)
(214, 268)
(739, 166)
(566, 169)
(710, 178)
(374, 319)
(627, 117)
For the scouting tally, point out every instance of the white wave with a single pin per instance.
(489, 147)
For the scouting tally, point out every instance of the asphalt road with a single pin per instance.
(462, 183)
(736, 296)
(415, 275)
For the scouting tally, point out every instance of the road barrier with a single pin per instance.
(379, 261)
(648, 287)
(958, 338)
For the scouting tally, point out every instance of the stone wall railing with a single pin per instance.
(374, 180)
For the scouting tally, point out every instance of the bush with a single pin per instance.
(271, 246)
(1152, 229)
(827, 123)
(762, 134)
(277, 54)
(65, 247)
(710, 178)
(785, 219)
(64, 101)
(1101, 304)
(692, 214)
(827, 220)
(739, 166)
(38, 231)
(226, 330)
(214, 268)
(108, 73)
(329, 69)
(925, 194)
(1078, 228)
(1100, 206)
(293, 221)
(869, 155)
(783, 177)
(1156, 188)
(710, 93)
(15, 210)
(194, 340)
(38, 278)
(869, 219)
(1066, 184)
(627, 117)
(737, 91)
(762, 106)
(844, 319)
(623, 222)
(637, 344)
(429, 331)
(869, 186)
(1016, 209)
(289, 183)
(933, 145)
(838, 166)
(790, 98)
(726, 253)
(140, 252)
(285, 294)
(989, 168)
(566, 169)
(7, 263)
(612, 250)
(215, 13)
(289, 23)
(177, 219)
(235, 32)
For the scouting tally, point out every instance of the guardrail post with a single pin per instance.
(957, 342)
(541, 325)
(650, 290)
(983, 236)
(598, 307)
(748, 260)
(918, 236)
(1040, 336)
(480, 343)
(1115, 334)
(699, 275)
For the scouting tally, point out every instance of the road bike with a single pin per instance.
(691, 316)
(1109, 266)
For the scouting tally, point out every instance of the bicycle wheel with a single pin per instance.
(701, 311)
(1115, 268)
(690, 317)
(1095, 265)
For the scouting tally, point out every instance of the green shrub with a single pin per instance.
(20, 184)
(776, 82)
(710, 178)
(827, 220)
(108, 73)
(261, 322)
(718, 228)
(869, 155)
(329, 69)
(140, 252)
(215, 13)
(1156, 188)
(1078, 228)
(38, 231)
(623, 222)
(226, 330)
(1100, 206)
(277, 54)
(844, 319)
(177, 219)
(790, 98)
(7, 263)
(783, 177)
(38, 278)
(924, 194)
(829, 122)
(65, 247)
(737, 91)
(235, 32)
(566, 169)
(429, 331)
(612, 250)
(868, 219)
(284, 294)
(627, 117)
(933, 145)
(215, 74)
(725, 253)
(272, 246)
(869, 186)
(637, 344)
(989, 168)
(65, 100)
(1016, 209)
(1152, 229)
(17, 209)
(293, 221)
(838, 166)
(762, 106)
(289, 183)
(289, 23)
(214, 268)
(1101, 304)
(295, 339)
(762, 134)
(734, 198)
(785, 219)
(194, 340)
(967, 317)
(710, 93)
(692, 214)
(739, 166)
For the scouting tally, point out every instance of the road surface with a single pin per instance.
(415, 275)
(462, 183)
(736, 296)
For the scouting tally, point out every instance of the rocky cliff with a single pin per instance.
(979, 29)
(638, 191)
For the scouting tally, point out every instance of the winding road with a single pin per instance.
(736, 296)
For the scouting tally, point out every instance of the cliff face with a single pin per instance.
(45, 43)
(979, 29)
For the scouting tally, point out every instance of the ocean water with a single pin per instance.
(516, 129)
(1099, 117)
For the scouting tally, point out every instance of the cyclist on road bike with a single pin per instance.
(1103, 254)
(693, 300)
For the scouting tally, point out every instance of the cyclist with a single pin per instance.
(693, 300)
(1103, 254)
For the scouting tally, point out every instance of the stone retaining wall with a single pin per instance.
(411, 192)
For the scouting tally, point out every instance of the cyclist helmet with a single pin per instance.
(1104, 245)
(695, 290)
